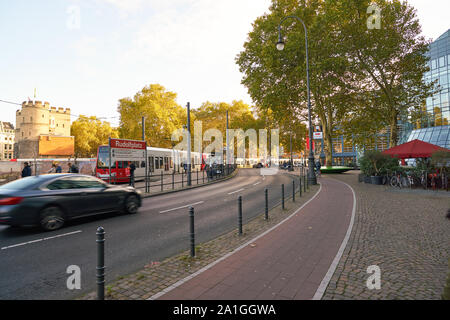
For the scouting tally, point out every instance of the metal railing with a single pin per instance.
(165, 181)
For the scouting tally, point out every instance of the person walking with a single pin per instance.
(132, 169)
(318, 166)
(26, 171)
(72, 168)
(53, 168)
(58, 168)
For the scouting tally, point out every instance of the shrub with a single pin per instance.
(375, 163)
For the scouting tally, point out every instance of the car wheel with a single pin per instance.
(131, 204)
(51, 218)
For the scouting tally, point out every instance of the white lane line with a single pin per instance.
(39, 240)
(236, 191)
(255, 184)
(186, 206)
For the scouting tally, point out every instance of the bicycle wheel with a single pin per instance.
(394, 181)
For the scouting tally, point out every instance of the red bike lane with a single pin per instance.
(291, 261)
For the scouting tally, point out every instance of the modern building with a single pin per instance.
(434, 124)
(43, 131)
(6, 140)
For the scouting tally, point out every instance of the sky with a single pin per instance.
(87, 54)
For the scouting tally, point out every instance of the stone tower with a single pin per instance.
(36, 121)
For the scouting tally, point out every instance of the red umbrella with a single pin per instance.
(414, 149)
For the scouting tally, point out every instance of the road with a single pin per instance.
(33, 263)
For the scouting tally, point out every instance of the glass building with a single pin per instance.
(434, 123)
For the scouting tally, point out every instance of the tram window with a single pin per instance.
(166, 164)
(142, 164)
(171, 162)
(161, 162)
(151, 162)
(156, 163)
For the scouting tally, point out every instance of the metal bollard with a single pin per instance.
(240, 214)
(282, 196)
(162, 178)
(192, 231)
(266, 211)
(304, 183)
(300, 186)
(100, 263)
(173, 180)
(293, 190)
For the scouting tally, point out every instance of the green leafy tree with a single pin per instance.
(277, 80)
(90, 133)
(391, 58)
(162, 116)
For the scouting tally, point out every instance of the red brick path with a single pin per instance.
(287, 263)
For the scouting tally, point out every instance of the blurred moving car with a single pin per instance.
(258, 165)
(51, 200)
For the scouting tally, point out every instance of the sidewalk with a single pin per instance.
(288, 262)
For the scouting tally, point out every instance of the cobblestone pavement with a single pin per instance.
(405, 233)
(159, 275)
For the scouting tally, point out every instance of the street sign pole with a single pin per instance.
(109, 143)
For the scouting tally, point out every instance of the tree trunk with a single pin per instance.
(393, 130)
(328, 149)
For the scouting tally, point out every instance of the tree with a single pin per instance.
(90, 133)
(392, 59)
(277, 80)
(162, 116)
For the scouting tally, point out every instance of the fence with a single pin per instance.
(168, 181)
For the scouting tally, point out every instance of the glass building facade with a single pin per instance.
(434, 123)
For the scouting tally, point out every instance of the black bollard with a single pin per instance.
(240, 214)
(100, 263)
(266, 211)
(192, 231)
(293, 190)
(300, 186)
(282, 196)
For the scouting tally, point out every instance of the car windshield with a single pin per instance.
(21, 184)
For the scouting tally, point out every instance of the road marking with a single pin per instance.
(255, 184)
(186, 206)
(39, 240)
(236, 191)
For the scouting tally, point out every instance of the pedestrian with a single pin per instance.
(53, 168)
(318, 166)
(58, 168)
(26, 171)
(132, 169)
(72, 168)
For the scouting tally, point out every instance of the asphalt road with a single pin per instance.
(33, 263)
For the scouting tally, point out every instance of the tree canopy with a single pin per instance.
(90, 133)
(361, 79)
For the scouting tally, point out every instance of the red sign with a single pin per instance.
(127, 144)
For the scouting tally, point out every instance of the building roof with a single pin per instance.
(6, 125)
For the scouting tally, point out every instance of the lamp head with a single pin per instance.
(280, 43)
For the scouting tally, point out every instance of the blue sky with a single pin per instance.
(119, 46)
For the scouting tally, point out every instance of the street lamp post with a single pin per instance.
(280, 46)
(189, 181)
